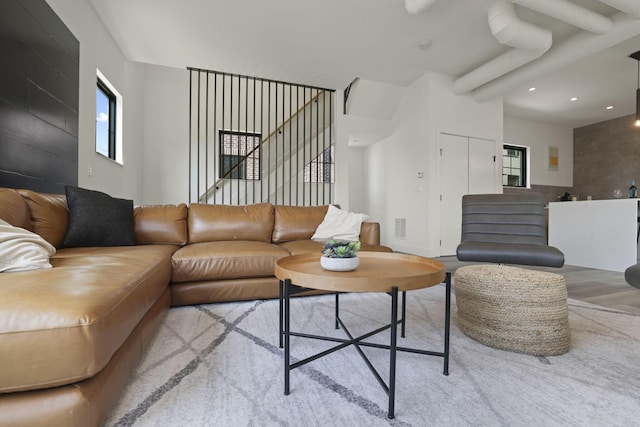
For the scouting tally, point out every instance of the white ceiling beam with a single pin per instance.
(578, 47)
(528, 41)
(570, 13)
(630, 7)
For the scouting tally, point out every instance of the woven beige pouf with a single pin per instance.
(513, 308)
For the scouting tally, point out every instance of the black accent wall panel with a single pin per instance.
(39, 74)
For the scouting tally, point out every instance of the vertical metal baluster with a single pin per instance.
(304, 146)
(324, 143)
(297, 169)
(317, 153)
(230, 176)
(290, 137)
(206, 145)
(262, 140)
(190, 128)
(221, 137)
(280, 124)
(238, 174)
(215, 134)
(246, 137)
(255, 175)
(198, 143)
(331, 152)
(269, 146)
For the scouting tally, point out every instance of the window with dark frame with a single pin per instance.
(514, 166)
(105, 121)
(240, 155)
(322, 168)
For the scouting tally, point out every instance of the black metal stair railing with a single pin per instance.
(231, 162)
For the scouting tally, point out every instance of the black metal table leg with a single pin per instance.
(337, 310)
(287, 289)
(392, 350)
(447, 322)
(287, 330)
(281, 296)
(404, 312)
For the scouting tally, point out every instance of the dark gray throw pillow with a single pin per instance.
(97, 219)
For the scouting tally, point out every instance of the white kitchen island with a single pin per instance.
(595, 233)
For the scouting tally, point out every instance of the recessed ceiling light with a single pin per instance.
(531, 89)
(575, 98)
(610, 107)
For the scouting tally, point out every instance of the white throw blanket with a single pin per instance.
(22, 250)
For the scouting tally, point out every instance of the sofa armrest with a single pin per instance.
(370, 233)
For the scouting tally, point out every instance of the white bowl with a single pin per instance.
(339, 264)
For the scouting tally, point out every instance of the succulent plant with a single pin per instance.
(339, 249)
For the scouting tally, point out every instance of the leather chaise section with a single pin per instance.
(62, 325)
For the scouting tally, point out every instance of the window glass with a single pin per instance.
(322, 168)
(240, 155)
(106, 119)
(102, 122)
(514, 162)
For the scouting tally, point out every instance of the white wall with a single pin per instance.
(98, 50)
(539, 136)
(165, 167)
(428, 107)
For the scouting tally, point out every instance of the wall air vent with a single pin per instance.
(401, 228)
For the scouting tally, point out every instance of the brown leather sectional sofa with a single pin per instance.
(71, 335)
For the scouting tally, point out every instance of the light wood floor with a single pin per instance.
(605, 288)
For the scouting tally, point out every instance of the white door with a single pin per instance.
(482, 166)
(454, 178)
(467, 166)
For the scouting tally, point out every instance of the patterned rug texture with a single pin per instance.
(220, 365)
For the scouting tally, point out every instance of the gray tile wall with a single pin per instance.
(550, 193)
(606, 156)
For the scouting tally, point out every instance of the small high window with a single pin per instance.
(240, 155)
(514, 166)
(108, 120)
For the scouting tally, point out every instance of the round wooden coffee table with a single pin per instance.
(378, 272)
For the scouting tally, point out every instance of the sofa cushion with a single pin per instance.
(97, 219)
(161, 224)
(298, 247)
(214, 223)
(225, 260)
(61, 325)
(14, 209)
(312, 246)
(296, 222)
(49, 215)
(340, 225)
(22, 250)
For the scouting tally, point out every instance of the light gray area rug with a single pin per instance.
(220, 365)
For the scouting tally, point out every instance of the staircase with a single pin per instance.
(284, 153)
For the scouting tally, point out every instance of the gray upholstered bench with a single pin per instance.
(512, 308)
(506, 229)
